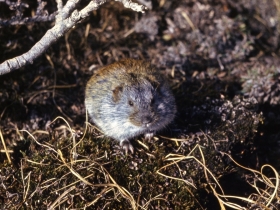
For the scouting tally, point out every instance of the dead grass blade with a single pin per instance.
(5, 148)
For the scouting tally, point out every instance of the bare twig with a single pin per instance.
(67, 18)
(41, 15)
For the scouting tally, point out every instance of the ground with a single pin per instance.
(221, 59)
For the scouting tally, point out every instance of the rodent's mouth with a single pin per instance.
(147, 125)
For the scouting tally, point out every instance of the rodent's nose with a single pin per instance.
(147, 121)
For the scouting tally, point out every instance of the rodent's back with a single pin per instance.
(127, 70)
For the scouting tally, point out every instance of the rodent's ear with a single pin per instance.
(117, 93)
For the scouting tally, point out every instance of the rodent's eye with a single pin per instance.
(130, 103)
(152, 101)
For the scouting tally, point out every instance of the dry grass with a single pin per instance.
(77, 171)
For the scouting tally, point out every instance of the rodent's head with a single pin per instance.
(146, 103)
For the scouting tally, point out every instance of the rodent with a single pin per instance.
(129, 98)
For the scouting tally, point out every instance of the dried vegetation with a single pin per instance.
(222, 60)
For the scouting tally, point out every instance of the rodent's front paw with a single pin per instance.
(149, 136)
(127, 146)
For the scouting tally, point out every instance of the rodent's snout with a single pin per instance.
(141, 119)
(147, 120)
